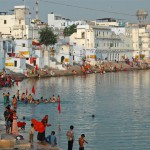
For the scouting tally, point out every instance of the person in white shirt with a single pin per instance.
(70, 137)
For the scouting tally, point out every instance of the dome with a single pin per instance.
(142, 13)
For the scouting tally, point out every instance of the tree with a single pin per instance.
(70, 30)
(47, 37)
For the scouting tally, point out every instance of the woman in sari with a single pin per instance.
(41, 136)
(14, 124)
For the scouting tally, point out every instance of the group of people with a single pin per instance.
(70, 137)
(6, 79)
(12, 124)
(31, 100)
(41, 137)
(27, 99)
(11, 121)
(52, 140)
(6, 98)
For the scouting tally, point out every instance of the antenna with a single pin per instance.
(37, 10)
(24, 2)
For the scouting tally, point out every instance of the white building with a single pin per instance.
(55, 20)
(102, 43)
(18, 24)
(7, 48)
(59, 22)
(108, 22)
(16, 64)
(64, 54)
(23, 47)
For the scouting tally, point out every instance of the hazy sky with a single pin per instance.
(89, 9)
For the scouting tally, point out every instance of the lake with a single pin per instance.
(120, 102)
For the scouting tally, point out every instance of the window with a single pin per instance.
(19, 21)
(15, 63)
(23, 44)
(97, 34)
(5, 21)
(83, 35)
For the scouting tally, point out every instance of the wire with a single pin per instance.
(87, 8)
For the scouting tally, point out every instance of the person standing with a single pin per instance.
(14, 124)
(70, 137)
(7, 115)
(14, 102)
(41, 136)
(31, 133)
(18, 95)
(58, 99)
(81, 142)
(5, 98)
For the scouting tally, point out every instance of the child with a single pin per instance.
(81, 142)
(51, 139)
(31, 133)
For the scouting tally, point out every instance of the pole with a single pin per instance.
(140, 46)
(24, 2)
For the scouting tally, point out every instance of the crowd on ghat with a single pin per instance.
(6, 80)
(13, 127)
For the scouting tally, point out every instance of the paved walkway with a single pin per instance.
(8, 142)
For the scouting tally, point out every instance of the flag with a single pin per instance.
(33, 90)
(17, 82)
(59, 108)
(26, 91)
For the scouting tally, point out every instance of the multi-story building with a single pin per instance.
(99, 42)
(18, 24)
(59, 22)
(110, 41)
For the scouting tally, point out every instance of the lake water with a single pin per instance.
(120, 102)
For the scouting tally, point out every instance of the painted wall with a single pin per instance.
(16, 64)
(23, 47)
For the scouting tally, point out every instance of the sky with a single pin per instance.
(83, 9)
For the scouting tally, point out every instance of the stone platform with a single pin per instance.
(8, 142)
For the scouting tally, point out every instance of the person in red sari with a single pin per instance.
(41, 136)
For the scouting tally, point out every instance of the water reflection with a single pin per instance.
(120, 102)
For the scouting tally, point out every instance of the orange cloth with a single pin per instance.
(38, 126)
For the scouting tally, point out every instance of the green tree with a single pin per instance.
(70, 30)
(47, 37)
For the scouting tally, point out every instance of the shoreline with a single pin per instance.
(108, 67)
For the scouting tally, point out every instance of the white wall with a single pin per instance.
(7, 28)
(52, 22)
(24, 47)
(21, 64)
